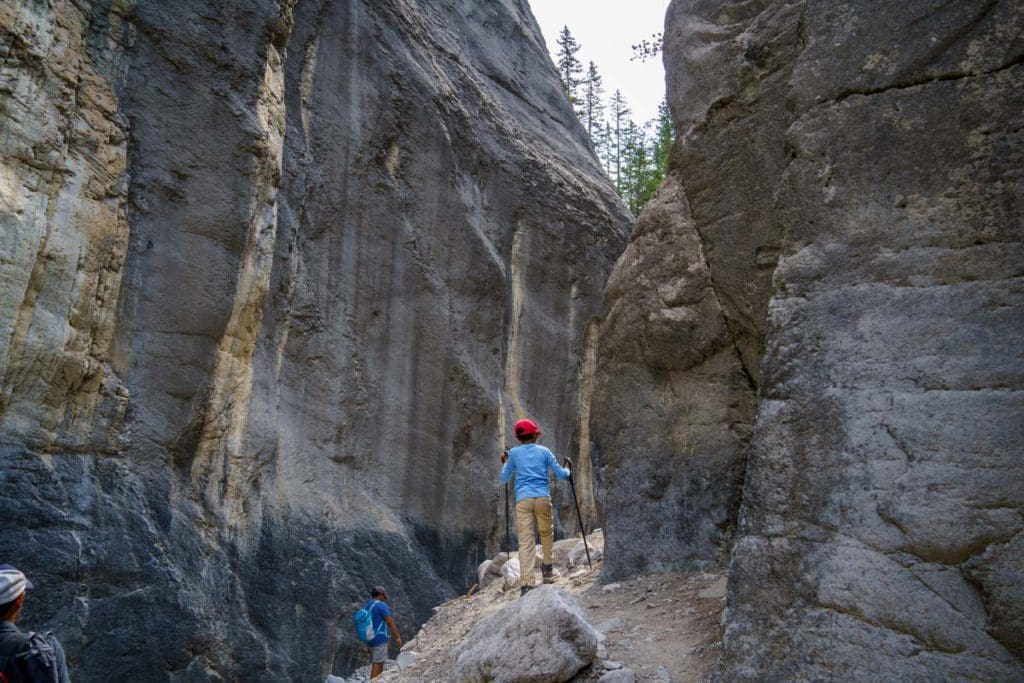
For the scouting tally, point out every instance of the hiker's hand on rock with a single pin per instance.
(504, 457)
(567, 464)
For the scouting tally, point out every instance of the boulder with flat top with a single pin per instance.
(544, 637)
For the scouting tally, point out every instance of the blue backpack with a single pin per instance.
(363, 620)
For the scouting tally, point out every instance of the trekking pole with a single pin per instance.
(508, 534)
(579, 517)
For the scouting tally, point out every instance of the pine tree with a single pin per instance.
(593, 103)
(570, 69)
(632, 166)
(663, 142)
(620, 122)
(635, 159)
(649, 174)
(605, 150)
(641, 175)
(643, 157)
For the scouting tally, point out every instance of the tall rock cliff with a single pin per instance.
(276, 277)
(821, 316)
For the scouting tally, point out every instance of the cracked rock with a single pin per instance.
(821, 314)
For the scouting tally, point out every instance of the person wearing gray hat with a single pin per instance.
(25, 656)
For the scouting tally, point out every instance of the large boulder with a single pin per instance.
(561, 549)
(674, 400)
(544, 637)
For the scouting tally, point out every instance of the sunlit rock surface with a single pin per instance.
(276, 277)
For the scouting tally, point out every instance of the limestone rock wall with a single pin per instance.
(275, 279)
(845, 216)
(686, 305)
(673, 402)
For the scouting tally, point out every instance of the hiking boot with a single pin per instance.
(523, 590)
(548, 573)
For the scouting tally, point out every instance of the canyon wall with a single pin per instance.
(276, 278)
(822, 325)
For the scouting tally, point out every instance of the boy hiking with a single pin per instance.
(531, 463)
(378, 645)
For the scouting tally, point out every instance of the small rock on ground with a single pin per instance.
(715, 590)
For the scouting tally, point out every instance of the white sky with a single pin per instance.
(606, 30)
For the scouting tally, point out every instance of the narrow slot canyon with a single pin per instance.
(279, 278)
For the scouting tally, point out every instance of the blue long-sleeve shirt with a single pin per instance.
(531, 463)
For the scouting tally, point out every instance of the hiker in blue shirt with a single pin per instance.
(381, 614)
(531, 464)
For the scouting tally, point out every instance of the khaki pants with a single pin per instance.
(526, 510)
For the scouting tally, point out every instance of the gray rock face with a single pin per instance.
(673, 402)
(681, 346)
(845, 218)
(544, 637)
(274, 276)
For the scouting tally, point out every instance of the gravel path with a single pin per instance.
(665, 627)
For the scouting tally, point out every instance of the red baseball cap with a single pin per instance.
(524, 429)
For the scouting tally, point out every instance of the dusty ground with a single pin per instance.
(659, 626)
(665, 627)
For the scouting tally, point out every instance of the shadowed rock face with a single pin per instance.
(276, 278)
(843, 223)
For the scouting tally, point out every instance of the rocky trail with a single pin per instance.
(653, 627)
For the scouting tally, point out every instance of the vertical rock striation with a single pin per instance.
(276, 276)
(845, 216)
(64, 239)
